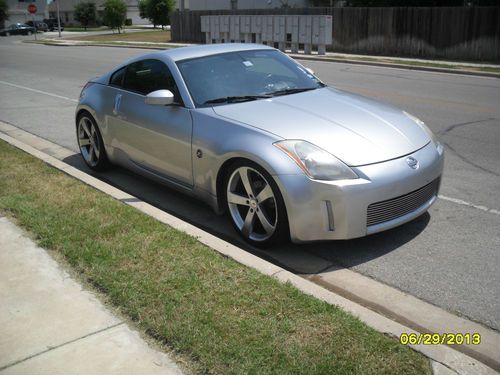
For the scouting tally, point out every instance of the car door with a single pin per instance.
(155, 138)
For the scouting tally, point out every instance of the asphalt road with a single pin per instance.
(449, 257)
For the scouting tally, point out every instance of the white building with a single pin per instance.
(18, 11)
(67, 11)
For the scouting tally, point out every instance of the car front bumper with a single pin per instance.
(329, 210)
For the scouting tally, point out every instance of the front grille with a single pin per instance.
(390, 209)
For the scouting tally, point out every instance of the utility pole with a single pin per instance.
(58, 18)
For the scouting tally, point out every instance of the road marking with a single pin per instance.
(464, 203)
(39, 91)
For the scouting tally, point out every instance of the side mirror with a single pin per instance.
(160, 97)
(310, 70)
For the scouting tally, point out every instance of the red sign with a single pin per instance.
(32, 8)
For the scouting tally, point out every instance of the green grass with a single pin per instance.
(227, 318)
(79, 29)
(157, 36)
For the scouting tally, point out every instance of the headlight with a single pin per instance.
(315, 162)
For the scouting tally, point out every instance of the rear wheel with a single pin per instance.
(90, 143)
(255, 204)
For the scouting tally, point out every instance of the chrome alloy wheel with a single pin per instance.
(252, 204)
(88, 140)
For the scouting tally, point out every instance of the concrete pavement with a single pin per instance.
(50, 325)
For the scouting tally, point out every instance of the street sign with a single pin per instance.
(32, 8)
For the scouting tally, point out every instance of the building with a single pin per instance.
(17, 10)
(67, 11)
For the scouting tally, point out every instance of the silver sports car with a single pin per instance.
(255, 134)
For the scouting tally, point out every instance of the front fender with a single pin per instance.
(219, 140)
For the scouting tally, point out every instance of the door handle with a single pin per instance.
(116, 108)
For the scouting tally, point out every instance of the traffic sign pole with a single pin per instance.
(32, 9)
(33, 18)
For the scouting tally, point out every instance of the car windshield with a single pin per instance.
(244, 76)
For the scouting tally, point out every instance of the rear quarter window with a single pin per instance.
(117, 78)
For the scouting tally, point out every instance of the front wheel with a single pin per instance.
(90, 143)
(255, 204)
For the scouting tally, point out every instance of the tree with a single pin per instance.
(85, 13)
(115, 12)
(157, 11)
(3, 12)
(141, 4)
(143, 9)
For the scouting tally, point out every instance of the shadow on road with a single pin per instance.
(303, 259)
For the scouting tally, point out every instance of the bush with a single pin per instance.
(128, 22)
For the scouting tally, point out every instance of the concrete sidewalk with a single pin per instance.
(50, 325)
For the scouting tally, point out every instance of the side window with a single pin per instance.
(147, 76)
(117, 78)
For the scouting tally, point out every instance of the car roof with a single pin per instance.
(184, 53)
(192, 52)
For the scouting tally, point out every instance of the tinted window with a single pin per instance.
(147, 76)
(117, 78)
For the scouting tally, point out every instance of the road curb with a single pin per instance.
(397, 66)
(298, 57)
(447, 357)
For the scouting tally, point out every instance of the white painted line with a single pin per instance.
(38, 91)
(464, 203)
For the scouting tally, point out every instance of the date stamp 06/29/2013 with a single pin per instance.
(440, 338)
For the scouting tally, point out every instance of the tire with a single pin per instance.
(90, 143)
(255, 205)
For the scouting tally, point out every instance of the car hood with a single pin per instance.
(355, 129)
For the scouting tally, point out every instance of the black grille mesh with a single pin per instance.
(381, 212)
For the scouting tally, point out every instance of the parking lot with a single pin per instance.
(448, 257)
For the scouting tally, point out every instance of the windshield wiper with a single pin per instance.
(235, 99)
(291, 91)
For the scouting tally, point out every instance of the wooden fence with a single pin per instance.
(458, 33)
